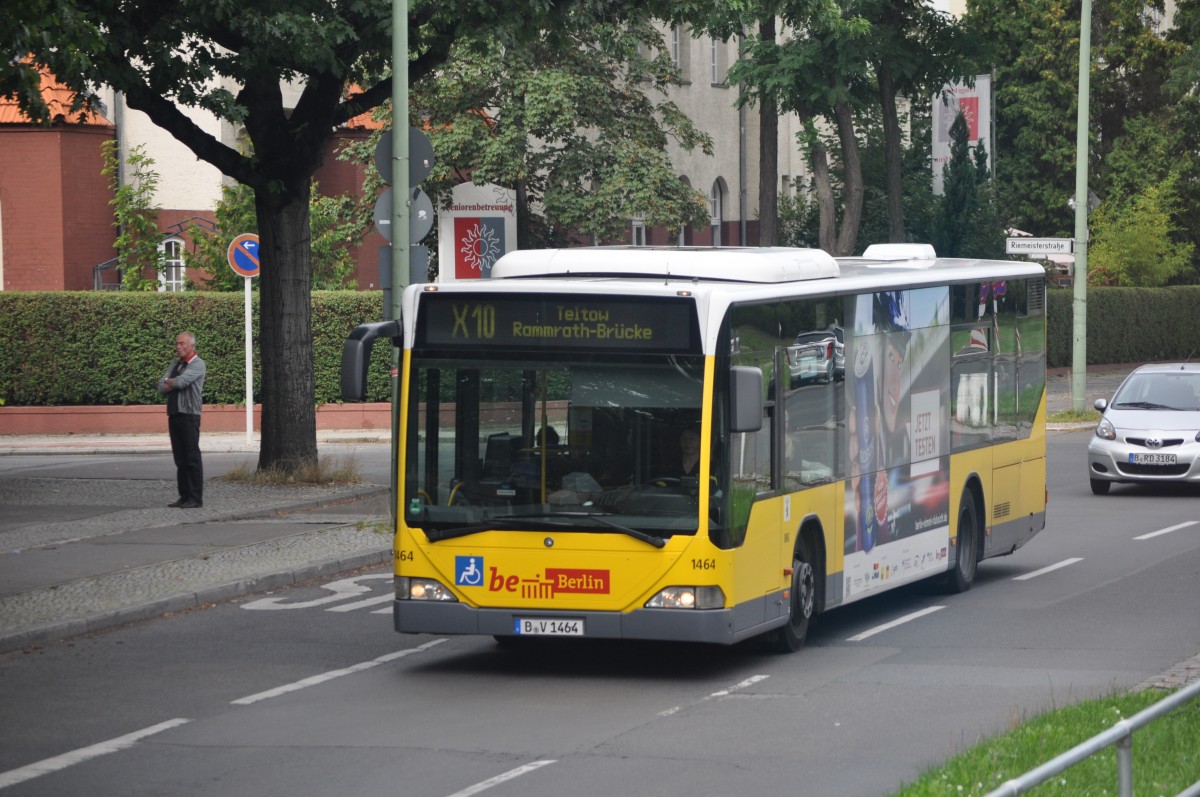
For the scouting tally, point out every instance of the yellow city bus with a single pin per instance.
(707, 444)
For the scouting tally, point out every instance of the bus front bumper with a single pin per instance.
(715, 626)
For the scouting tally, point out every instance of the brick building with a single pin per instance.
(56, 221)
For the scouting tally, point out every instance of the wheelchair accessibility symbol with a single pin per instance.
(468, 571)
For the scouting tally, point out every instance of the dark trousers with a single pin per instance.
(185, 447)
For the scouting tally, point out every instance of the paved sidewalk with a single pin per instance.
(1102, 382)
(87, 542)
(90, 544)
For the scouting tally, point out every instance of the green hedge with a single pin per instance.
(1126, 325)
(102, 348)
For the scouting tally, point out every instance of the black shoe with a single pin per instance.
(177, 503)
(190, 504)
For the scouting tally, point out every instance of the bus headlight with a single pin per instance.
(421, 589)
(688, 598)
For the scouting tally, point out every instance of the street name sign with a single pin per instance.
(1040, 246)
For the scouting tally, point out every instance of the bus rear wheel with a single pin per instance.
(966, 554)
(790, 637)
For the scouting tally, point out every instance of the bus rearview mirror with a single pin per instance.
(356, 356)
(745, 398)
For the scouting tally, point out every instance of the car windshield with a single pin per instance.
(1172, 390)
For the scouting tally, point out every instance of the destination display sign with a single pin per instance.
(556, 322)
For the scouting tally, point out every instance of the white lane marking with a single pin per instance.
(346, 588)
(1167, 530)
(349, 607)
(751, 681)
(1050, 569)
(512, 773)
(314, 680)
(879, 629)
(59, 762)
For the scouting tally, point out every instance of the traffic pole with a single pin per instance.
(401, 199)
(1079, 325)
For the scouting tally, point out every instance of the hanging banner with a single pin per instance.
(976, 106)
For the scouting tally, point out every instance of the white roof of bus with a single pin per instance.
(716, 277)
(741, 264)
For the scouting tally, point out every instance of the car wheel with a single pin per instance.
(1100, 486)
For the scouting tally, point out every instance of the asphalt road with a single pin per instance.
(307, 691)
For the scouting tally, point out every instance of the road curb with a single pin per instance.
(237, 587)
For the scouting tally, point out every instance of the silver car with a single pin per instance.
(1150, 433)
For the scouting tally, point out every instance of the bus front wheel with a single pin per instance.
(790, 637)
(966, 554)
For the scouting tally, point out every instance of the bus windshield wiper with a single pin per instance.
(539, 522)
(657, 542)
(492, 524)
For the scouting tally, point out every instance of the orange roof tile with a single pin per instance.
(58, 99)
(364, 121)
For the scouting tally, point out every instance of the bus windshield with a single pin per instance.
(594, 442)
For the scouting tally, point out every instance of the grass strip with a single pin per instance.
(1166, 753)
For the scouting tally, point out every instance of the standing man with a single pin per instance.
(182, 385)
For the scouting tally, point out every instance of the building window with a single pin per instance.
(716, 62)
(170, 279)
(715, 202)
(677, 47)
(638, 233)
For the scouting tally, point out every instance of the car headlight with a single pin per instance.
(421, 589)
(1106, 430)
(688, 598)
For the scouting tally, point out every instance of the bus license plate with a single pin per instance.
(547, 626)
(1156, 458)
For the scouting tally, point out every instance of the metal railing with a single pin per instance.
(1119, 735)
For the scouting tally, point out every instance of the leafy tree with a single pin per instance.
(916, 51)
(577, 125)
(234, 215)
(135, 217)
(1033, 45)
(233, 60)
(337, 223)
(1131, 241)
(820, 70)
(967, 223)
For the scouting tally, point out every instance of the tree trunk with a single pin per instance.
(891, 157)
(823, 186)
(522, 202)
(289, 416)
(852, 195)
(768, 158)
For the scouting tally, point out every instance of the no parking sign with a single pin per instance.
(243, 254)
(243, 258)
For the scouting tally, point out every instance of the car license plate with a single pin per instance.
(547, 626)
(1156, 458)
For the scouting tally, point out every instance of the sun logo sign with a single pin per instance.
(479, 243)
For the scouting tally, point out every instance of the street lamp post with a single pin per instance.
(1079, 327)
